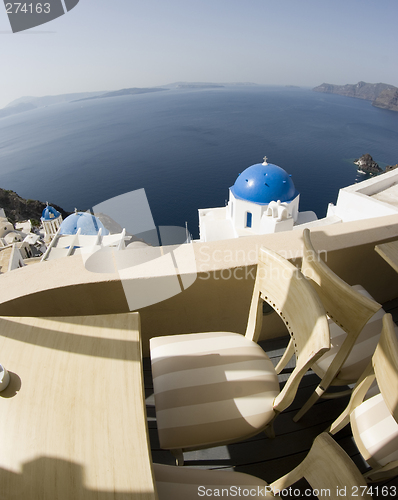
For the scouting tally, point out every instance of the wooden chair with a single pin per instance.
(216, 388)
(327, 468)
(374, 421)
(355, 325)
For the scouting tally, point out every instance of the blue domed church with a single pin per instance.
(51, 220)
(262, 200)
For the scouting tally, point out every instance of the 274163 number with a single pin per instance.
(384, 491)
(28, 8)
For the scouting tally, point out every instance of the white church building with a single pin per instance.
(262, 200)
(51, 220)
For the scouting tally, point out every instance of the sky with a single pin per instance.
(113, 44)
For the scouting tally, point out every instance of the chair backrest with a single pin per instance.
(384, 368)
(282, 285)
(348, 308)
(327, 468)
(385, 365)
(329, 471)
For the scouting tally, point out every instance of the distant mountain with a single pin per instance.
(18, 108)
(28, 103)
(199, 86)
(382, 95)
(48, 100)
(118, 93)
(206, 85)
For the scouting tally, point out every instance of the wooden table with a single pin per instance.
(389, 252)
(73, 422)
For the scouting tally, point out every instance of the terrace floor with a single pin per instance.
(266, 458)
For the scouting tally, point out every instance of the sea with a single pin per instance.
(187, 146)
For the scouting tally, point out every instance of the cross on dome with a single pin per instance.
(265, 160)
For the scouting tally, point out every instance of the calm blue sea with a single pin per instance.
(186, 147)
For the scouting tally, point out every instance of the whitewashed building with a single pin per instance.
(82, 232)
(262, 200)
(51, 220)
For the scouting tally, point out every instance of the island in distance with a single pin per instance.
(382, 95)
(366, 165)
(122, 92)
(28, 103)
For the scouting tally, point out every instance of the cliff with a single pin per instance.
(18, 209)
(388, 99)
(382, 95)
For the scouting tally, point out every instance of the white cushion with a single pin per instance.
(210, 388)
(182, 483)
(376, 429)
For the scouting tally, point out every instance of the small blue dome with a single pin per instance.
(87, 223)
(49, 213)
(264, 182)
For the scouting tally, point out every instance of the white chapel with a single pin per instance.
(262, 200)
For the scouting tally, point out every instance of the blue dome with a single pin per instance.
(264, 182)
(87, 223)
(49, 213)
